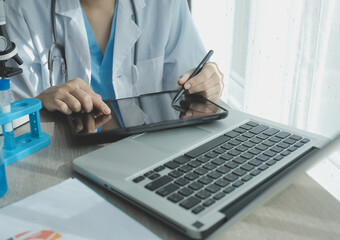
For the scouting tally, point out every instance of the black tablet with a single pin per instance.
(144, 113)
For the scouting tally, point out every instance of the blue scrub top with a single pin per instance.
(101, 66)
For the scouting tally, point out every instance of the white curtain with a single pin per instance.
(293, 63)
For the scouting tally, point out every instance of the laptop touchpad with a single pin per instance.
(173, 140)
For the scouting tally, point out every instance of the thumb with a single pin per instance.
(183, 78)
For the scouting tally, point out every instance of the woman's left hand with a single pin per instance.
(208, 83)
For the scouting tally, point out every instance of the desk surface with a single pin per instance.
(304, 210)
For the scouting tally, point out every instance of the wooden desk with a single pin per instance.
(304, 210)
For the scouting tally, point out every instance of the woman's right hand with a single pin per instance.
(72, 96)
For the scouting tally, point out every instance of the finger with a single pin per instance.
(201, 86)
(100, 105)
(84, 98)
(72, 102)
(182, 79)
(206, 73)
(61, 106)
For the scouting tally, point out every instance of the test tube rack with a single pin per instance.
(26, 143)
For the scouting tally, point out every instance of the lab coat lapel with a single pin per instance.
(75, 40)
(127, 32)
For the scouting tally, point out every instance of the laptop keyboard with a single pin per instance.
(206, 174)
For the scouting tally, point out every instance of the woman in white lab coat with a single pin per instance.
(168, 42)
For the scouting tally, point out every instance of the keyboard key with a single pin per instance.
(240, 130)
(263, 167)
(282, 134)
(276, 149)
(211, 155)
(289, 141)
(208, 203)
(262, 157)
(175, 198)
(269, 153)
(239, 172)
(218, 161)
(175, 174)
(258, 129)
(246, 127)
(200, 171)
(203, 159)
(253, 124)
(185, 192)
(269, 143)
(254, 151)
(198, 209)
(271, 131)
(305, 140)
(240, 160)
(234, 152)
(247, 178)
(207, 146)
(181, 160)
(295, 137)
(275, 139)
(238, 183)
(247, 167)
(285, 153)
(231, 165)
(203, 194)
(223, 169)
(154, 176)
(234, 142)
(292, 148)
(255, 172)
(232, 134)
(213, 188)
(158, 183)
(159, 169)
(171, 165)
(219, 196)
(247, 155)
(241, 139)
(299, 144)
(248, 135)
(255, 140)
(278, 157)
(167, 189)
(255, 162)
(222, 182)
(209, 166)
(148, 174)
(138, 179)
(241, 148)
(194, 164)
(249, 144)
(214, 175)
(229, 189)
(227, 146)
(191, 176)
(195, 185)
(219, 150)
(182, 182)
(185, 168)
(190, 202)
(283, 145)
(230, 177)
(226, 156)
(205, 180)
(262, 136)
(271, 162)
(261, 147)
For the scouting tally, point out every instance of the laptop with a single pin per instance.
(200, 178)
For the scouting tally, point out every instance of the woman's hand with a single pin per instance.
(72, 96)
(208, 83)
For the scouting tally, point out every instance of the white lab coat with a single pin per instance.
(169, 44)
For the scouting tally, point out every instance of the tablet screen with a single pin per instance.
(147, 112)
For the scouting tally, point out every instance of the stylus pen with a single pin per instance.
(196, 71)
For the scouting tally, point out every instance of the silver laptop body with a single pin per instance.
(120, 166)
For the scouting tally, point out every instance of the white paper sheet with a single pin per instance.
(69, 210)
